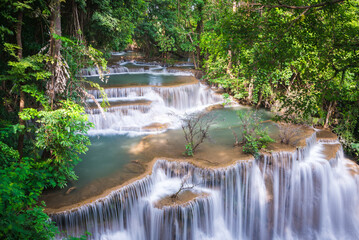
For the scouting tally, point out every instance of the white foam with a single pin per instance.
(299, 195)
(169, 105)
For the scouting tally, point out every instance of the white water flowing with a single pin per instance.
(285, 195)
(165, 105)
(136, 67)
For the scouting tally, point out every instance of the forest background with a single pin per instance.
(297, 57)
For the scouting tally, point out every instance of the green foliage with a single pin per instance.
(7, 132)
(20, 216)
(77, 56)
(112, 23)
(58, 133)
(166, 44)
(355, 147)
(53, 136)
(28, 69)
(226, 98)
(171, 27)
(348, 128)
(27, 75)
(61, 134)
(254, 136)
(22, 182)
(303, 62)
(189, 150)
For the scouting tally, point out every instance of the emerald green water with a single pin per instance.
(227, 120)
(113, 159)
(109, 154)
(110, 162)
(106, 155)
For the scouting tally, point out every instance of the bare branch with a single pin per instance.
(236, 143)
(95, 101)
(196, 128)
(288, 133)
(183, 187)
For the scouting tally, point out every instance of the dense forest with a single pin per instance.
(299, 58)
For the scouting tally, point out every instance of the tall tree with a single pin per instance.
(56, 66)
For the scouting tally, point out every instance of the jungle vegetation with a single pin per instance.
(298, 57)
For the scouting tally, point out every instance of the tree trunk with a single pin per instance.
(229, 66)
(55, 46)
(77, 30)
(330, 113)
(259, 99)
(199, 30)
(194, 61)
(250, 91)
(55, 28)
(20, 144)
(18, 33)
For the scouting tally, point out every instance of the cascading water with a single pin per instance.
(164, 105)
(284, 195)
(135, 67)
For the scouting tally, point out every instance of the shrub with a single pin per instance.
(254, 136)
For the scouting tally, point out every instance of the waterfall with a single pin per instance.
(284, 195)
(89, 72)
(179, 97)
(168, 99)
(118, 53)
(167, 106)
(133, 67)
(305, 194)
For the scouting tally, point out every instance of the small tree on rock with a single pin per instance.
(288, 133)
(196, 130)
(184, 187)
(254, 136)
